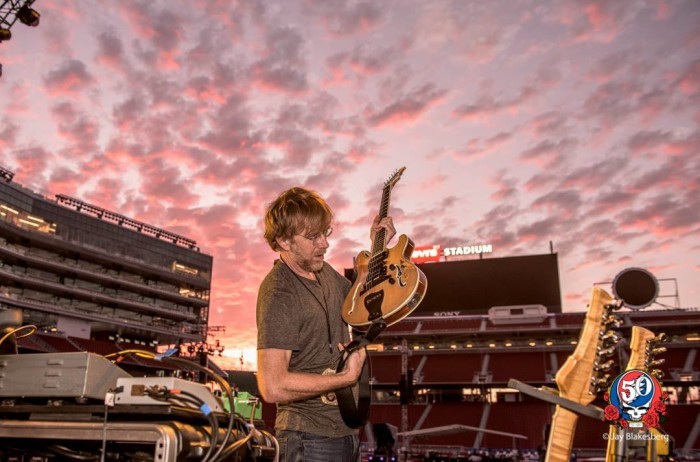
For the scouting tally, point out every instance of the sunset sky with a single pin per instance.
(520, 123)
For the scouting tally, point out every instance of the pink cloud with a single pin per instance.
(488, 105)
(504, 187)
(18, 105)
(539, 230)
(548, 153)
(593, 20)
(65, 181)
(663, 142)
(166, 183)
(71, 78)
(548, 123)
(342, 18)
(78, 129)
(32, 162)
(478, 147)
(8, 135)
(564, 204)
(609, 66)
(664, 11)
(689, 80)
(664, 216)
(283, 66)
(110, 51)
(407, 108)
(593, 176)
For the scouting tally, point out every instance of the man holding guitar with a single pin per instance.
(301, 331)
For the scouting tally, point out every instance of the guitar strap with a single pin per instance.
(355, 412)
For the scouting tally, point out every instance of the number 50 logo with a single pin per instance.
(636, 400)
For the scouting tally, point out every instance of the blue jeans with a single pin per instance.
(307, 447)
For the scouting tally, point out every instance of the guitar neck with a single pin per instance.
(379, 242)
(561, 435)
(638, 343)
(574, 377)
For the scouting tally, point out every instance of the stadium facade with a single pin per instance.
(90, 273)
(443, 377)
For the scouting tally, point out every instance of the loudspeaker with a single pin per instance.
(636, 287)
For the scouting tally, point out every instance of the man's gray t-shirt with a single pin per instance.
(291, 315)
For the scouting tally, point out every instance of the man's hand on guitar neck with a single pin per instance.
(385, 223)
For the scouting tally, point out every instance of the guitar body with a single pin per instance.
(391, 287)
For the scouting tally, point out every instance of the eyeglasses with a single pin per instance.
(318, 236)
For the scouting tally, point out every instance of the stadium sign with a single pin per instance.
(432, 253)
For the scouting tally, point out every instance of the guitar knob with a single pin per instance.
(392, 266)
(392, 281)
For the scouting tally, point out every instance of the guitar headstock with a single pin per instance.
(584, 373)
(644, 347)
(394, 178)
(608, 339)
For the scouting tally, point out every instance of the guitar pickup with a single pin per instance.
(373, 283)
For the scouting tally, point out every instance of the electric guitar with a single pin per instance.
(388, 286)
(643, 351)
(583, 374)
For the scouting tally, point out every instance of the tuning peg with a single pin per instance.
(600, 383)
(659, 374)
(655, 362)
(614, 306)
(654, 342)
(612, 321)
(656, 351)
(604, 335)
(611, 341)
(606, 366)
(603, 351)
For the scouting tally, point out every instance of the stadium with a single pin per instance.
(471, 374)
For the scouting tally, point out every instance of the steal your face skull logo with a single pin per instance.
(633, 393)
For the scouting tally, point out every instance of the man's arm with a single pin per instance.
(278, 384)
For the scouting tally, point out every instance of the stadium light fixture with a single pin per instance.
(28, 16)
(10, 12)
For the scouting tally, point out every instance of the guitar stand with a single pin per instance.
(552, 397)
(355, 413)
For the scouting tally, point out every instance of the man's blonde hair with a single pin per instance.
(296, 211)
